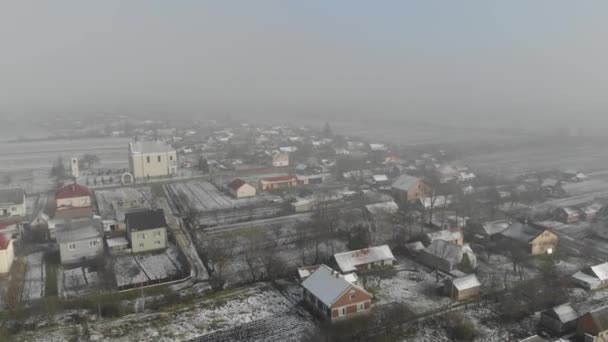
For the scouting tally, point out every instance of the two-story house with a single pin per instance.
(146, 230)
(409, 188)
(7, 253)
(79, 241)
(152, 159)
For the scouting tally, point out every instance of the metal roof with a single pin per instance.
(327, 285)
(78, 231)
(347, 261)
(405, 182)
(467, 282)
(564, 313)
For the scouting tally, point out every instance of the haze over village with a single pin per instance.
(303, 171)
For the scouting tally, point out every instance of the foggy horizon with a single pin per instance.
(429, 61)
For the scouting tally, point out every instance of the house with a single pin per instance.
(463, 288)
(152, 159)
(494, 228)
(364, 259)
(7, 253)
(592, 277)
(466, 177)
(559, 320)
(380, 180)
(73, 201)
(73, 196)
(567, 215)
(435, 202)
(534, 239)
(551, 187)
(446, 256)
(279, 182)
(377, 147)
(446, 173)
(302, 205)
(12, 202)
(453, 237)
(386, 208)
(593, 326)
(79, 241)
(146, 230)
(409, 188)
(329, 294)
(241, 189)
(280, 159)
(589, 212)
(288, 149)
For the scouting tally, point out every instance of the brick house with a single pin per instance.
(329, 294)
(279, 182)
(567, 215)
(593, 326)
(73, 201)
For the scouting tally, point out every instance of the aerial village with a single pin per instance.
(228, 231)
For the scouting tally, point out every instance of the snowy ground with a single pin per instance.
(417, 289)
(149, 267)
(258, 311)
(33, 287)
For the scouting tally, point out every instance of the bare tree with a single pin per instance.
(217, 253)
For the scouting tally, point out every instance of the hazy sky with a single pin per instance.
(420, 59)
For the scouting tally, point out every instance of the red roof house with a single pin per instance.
(73, 201)
(72, 191)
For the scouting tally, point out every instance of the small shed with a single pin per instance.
(559, 320)
(463, 288)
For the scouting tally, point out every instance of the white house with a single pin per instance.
(280, 159)
(79, 241)
(7, 253)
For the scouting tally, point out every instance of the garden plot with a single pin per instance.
(204, 196)
(137, 270)
(128, 272)
(76, 281)
(33, 286)
(158, 266)
(260, 309)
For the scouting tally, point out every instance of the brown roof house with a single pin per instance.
(592, 277)
(567, 215)
(593, 326)
(364, 259)
(241, 189)
(535, 239)
(329, 294)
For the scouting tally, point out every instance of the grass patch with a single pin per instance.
(50, 280)
(157, 190)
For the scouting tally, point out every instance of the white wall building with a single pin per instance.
(152, 159)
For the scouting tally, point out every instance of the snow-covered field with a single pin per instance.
(259, 310)
(33, 287)
(143, 268)
(204, 196)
